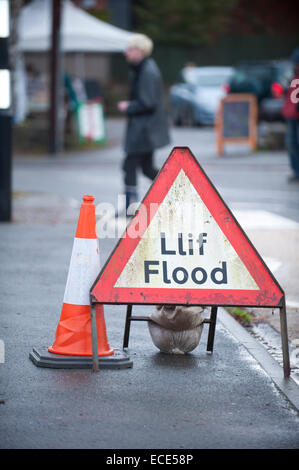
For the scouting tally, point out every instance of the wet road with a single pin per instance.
(200, 401)
(244, 180)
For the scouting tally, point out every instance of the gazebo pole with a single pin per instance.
(56, 83)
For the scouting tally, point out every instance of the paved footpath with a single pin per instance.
(226, 400)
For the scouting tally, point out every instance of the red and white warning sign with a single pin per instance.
(184, 246)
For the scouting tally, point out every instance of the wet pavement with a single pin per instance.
(223, 400)
(254, 186)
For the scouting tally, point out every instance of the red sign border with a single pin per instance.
(269, 294)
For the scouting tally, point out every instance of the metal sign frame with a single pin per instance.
(211, 334)
(273, 296)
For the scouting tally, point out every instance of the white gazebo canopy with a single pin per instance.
(80, 31)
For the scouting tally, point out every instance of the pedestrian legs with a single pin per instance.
(147, 166)
(130, 165)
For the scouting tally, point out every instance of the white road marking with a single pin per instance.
(259, 219)
(272, 263)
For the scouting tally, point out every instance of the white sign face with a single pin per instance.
(183, 247)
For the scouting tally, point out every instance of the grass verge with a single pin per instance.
(242, 316)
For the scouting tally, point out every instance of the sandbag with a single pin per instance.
(176, 329)
(177, 317)
(174, 342)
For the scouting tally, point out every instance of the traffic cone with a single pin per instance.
(72, 348)
(73, 334)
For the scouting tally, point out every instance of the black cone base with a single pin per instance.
(41, 357)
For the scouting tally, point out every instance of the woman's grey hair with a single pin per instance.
(142, 42)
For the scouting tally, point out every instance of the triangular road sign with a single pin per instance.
(184, 246)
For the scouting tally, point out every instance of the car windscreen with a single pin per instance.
(211, 80)
(263, 72)
(280, 72)
(284, 73)
(197, 77)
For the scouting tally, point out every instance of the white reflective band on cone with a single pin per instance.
(83, 270)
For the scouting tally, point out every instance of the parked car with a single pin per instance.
(194, 100)
(267, 80)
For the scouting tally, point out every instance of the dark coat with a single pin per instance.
(147, 127)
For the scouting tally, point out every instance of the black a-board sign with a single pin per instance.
(236, 121)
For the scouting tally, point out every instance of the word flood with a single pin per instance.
(180, 275)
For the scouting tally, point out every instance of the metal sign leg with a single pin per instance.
(94, 338)
(212, 327)
(284, 340)
(127, 326)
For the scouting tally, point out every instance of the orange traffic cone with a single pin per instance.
(73, 334)
(72, 348)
